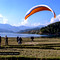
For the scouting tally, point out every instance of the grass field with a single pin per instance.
(39, 48)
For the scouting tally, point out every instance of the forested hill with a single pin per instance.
(53, 28)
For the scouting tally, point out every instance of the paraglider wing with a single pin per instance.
(37, 9)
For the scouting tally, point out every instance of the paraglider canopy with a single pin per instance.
(37, 9)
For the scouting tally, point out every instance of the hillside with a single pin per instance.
(4, 30)
(53, 28)
(32, 30)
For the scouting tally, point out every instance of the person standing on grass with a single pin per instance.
(0, 41)
(32, 38)
(17, 38)
(6, 40)
(20, 41)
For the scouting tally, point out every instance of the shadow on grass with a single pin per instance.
(28, 58)
(38, 46)
(2, 47)
(28, 47)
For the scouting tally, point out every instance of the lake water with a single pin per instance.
(20, 35)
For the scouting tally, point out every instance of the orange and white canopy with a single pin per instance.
(37, 9)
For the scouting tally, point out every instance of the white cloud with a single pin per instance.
(35, 24)
(1, 16)
(55, 19)
(24, 22)
(3, 20)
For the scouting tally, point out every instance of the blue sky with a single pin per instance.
(13, 12)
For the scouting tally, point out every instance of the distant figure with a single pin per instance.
(32, 38)
(0, 41)
(6, 40)
(17, 38)
(20, 41)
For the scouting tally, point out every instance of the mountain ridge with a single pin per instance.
(10, 28)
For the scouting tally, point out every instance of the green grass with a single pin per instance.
(39, 48)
